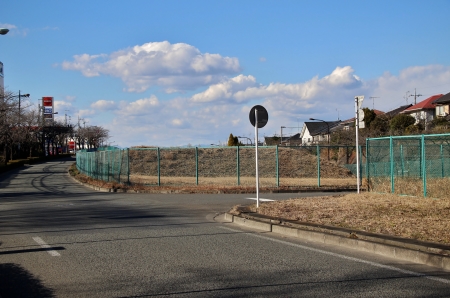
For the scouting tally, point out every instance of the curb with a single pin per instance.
(426, 253)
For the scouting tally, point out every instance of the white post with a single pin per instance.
(256, 148)
(357, 142)
(358, 103)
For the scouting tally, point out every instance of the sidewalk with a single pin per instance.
(427, 253)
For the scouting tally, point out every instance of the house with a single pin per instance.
(294, 140)
(443, 106)
(350, 123)
(391, 114)
(314, 132)
(423, 111)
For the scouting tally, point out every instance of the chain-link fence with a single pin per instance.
(410, 165)
(300, 166)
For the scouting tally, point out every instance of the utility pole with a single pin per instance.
(65, 117)
(406, 96)
(373, 101)
(415, 96)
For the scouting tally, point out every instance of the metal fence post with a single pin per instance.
(128, 166)
(120, 163)
(367, 164)
(424, 167)
(158, 157)
(109, 164)
(238, 166)
(196, 165)
(318, 165)
(278, 166)
(402, 162)
(391, 157)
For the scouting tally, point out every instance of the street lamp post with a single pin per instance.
(245, 138)
(19, 96)
(281, 136)
(328, 133)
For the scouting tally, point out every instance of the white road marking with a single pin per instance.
(42, 243)
(262, 200)
(442, 280)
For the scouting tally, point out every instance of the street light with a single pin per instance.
(3, 31)
(20, 96)
(245, 138)
(328, 133)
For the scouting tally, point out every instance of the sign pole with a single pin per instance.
(256, 148)
(358, 103)
(258, 123)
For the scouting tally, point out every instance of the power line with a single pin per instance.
(415, 95)
(373, 101)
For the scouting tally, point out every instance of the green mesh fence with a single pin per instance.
(300, 166)
(410, 165)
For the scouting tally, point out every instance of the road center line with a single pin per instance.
(442, 280)
(42, 243)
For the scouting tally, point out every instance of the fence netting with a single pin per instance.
(410, 165)
(279, 166)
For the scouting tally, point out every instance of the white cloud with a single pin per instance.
(13, 30)
(210, 116)
(175, 67)
(104, 105)
(226, 90)
(85, 113)
(8, 26)
(245, 88)
(139, 107)
(70, 98)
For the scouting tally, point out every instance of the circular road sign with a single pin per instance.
(263, 116)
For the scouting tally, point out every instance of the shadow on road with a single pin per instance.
(16, 281)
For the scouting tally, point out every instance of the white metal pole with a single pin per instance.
(256, 148)
(357, 140)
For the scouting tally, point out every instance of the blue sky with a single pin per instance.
(172, 73)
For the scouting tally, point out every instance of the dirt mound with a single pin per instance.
(223, 162)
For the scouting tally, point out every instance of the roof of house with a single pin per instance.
(277, 140)
(397, 111)
(423, 105)
(316, 128)
(445, 99)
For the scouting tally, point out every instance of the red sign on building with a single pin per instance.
(47, 101)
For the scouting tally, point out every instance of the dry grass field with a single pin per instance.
(409, 217)
(243, 181)
(297, 167)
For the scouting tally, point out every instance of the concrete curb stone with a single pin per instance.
(427, 253)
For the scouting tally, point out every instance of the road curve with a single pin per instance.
(61, 239)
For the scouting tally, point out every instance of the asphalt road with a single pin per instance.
(61, 239)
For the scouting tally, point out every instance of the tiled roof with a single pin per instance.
(443, 99)
(423, 105)
(316, 127)
(398, 110)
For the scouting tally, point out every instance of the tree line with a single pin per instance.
(375, 126)
(383, 125)
(25, 133)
